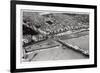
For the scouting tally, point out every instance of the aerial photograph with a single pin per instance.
(50, 36)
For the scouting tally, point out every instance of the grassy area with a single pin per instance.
(73, 35)
(82, 42)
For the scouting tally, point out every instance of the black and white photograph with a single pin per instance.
(54, 36)
(50, 36)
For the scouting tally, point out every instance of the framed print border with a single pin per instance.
(13, 35)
